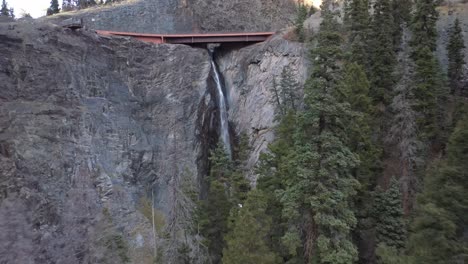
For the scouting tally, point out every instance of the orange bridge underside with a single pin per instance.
(193, 38)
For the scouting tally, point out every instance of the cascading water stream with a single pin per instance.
(223, 114)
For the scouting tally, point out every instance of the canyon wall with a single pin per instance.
(92, 127)
(88, 125)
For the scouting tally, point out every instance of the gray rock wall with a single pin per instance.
(87, 126)
(249, 74)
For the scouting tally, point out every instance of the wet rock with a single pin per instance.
(249, 73)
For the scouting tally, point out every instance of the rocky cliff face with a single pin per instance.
(87, 126)
(185, 16)
(91, 127)
(249, 75)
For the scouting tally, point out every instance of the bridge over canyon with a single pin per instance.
(189, 39)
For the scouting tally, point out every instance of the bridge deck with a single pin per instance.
(193, 38)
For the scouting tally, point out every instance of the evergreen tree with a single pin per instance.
(317, 198)
(424, 25)
(401, 10)
(245, 242)
(227, 189)
(440, 220)
(355, 88)
(356, 91)
(214, 210)
(299, 23)
(274, 170)
(456, 57)
(429, 88)
(285, 96)
(4, 11)
(213, 219)
(429, 92)
(54, 8)
(358, 19)
(289, 88)
(238, 185)
(388, 213)
(382, 57)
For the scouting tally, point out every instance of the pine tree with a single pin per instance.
(355, 88)
(443, 206)
(356, 91)
(456, 57)
(299, 23)
(429, 88)
(424, 24)
(401, 11)
(388, 213)
(428, 92)
(213, 218)
(54, 8)
(358, 19)
(317, 199)
(227, 189)
(246, 240)
(382, 57)
(274, 170)
(4, 11)
(214, 210)
(285, 95)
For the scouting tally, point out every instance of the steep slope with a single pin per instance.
(249, 75)
(87, 126)
(91, 126)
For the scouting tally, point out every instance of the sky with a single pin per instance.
(36, 8)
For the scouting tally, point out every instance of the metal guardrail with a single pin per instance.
(193, 38)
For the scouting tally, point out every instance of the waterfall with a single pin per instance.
(223, 114)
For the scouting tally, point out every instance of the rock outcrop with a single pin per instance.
(249, 74)
(91, 127)
(87, 126)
